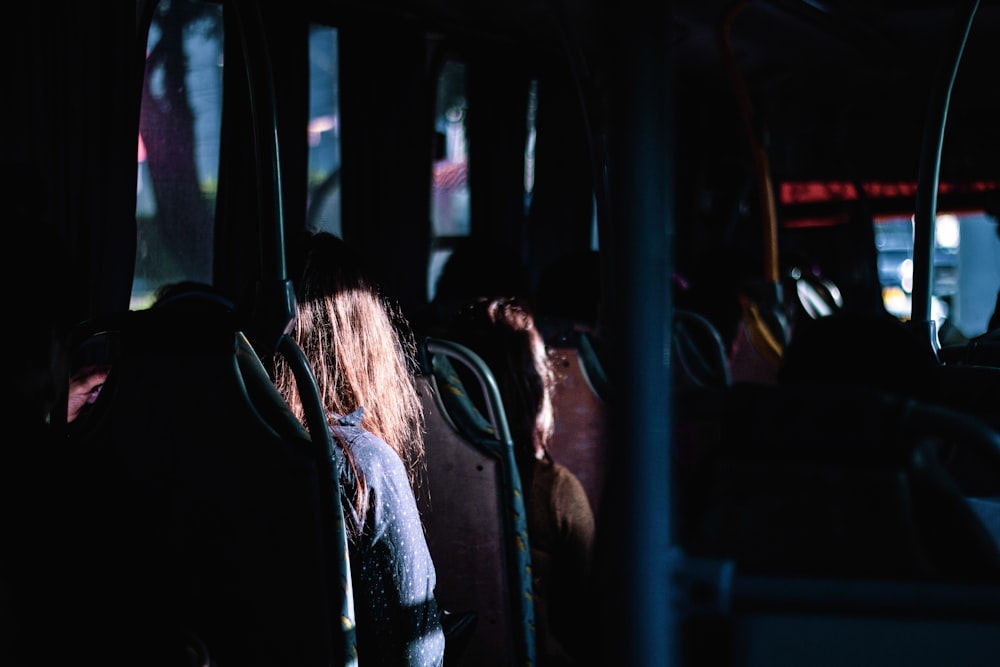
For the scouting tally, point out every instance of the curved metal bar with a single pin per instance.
(761, 304)
(487, 383)
(516, 521)
(930, 166)
(274, 310)
(340, 585)
(762, 166)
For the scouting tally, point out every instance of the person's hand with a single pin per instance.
(84, 387)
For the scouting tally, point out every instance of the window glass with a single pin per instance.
(178, 147)
(324, 208)
(450, 188)
(966, 269)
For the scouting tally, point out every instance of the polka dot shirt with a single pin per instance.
(398, 621)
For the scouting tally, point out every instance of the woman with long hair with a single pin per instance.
(502, 331)
(362, 354)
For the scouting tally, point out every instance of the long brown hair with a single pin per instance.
(503, 333)
(361, 350)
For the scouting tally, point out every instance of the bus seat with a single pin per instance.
(202, 503)
(971, 388)
(580, 440)
(591, 363)
(983, 350)
(974, 391)
(700, 373)
(762, 333)
(749, 620)
(473, 511)
(988, 511)
(820, 481)
(697, 353)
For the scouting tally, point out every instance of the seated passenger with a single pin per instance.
(560, 519)
(568, 295)
(84, 387)
(38, 289)
(92, 360)
(355, 343)
(855, 347)
(474, 270)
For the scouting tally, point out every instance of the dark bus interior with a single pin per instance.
(784, 476)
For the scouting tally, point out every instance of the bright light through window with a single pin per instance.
(966, 273)
(946, 234)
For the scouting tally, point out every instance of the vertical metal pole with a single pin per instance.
(636, 547)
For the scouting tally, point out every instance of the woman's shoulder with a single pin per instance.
(370, 451)
(563, 494)
(559, 480)
(557, 473)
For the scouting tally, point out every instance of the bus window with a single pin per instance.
(966, 269)
(450, 187)
(179, 130)
(529, 163)
(324, 207)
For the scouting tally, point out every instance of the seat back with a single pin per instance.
(737, 620)
(697, 353)
(984, 350)
(580, 439)
(204, 505)
(817, 480)
(473, 511)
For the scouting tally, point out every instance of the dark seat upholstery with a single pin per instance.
(580, 439)
(202, 503)
(473, 511)
(810, 480)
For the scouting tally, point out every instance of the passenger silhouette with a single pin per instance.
(475, 269)
(568, 294)
(561, 526)
(38, 292)
(362, 355)
(854, 347)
